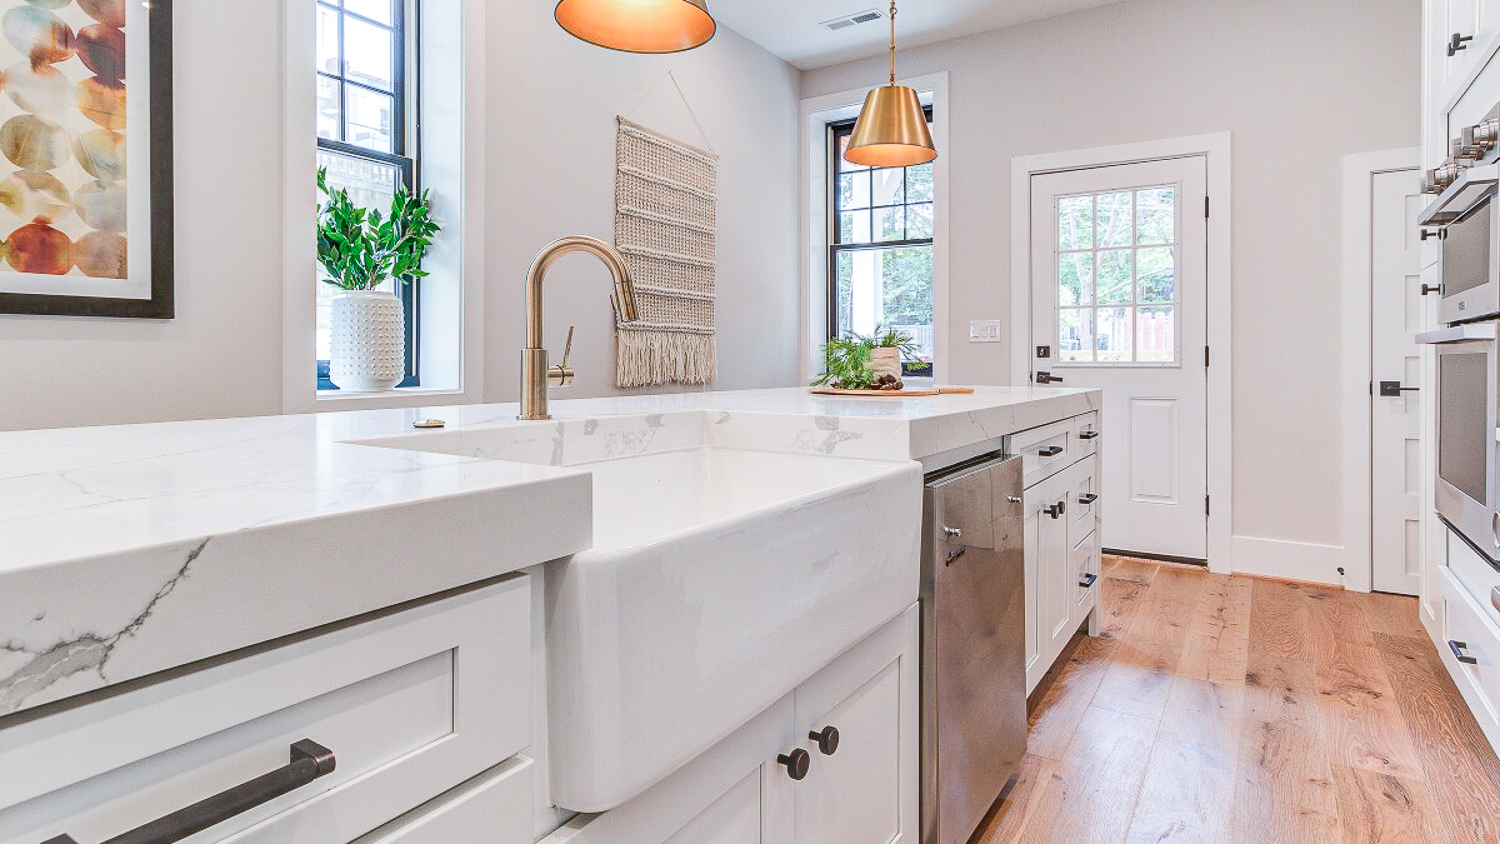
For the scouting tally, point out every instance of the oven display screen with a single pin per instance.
(1466, 251)
(1464, 438)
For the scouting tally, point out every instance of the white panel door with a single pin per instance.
(1119, 302)
(1396, 304)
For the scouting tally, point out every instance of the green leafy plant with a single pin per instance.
(847, 363)
(359, 248)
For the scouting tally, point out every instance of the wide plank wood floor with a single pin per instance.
(1232, 710)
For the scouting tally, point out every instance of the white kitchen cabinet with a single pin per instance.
(1060, 523)
(1086, 568)
(493, 808)
(1462, 33)
(864, 792)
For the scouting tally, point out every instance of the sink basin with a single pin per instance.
(719, 581)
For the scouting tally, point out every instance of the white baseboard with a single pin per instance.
(1289, 560)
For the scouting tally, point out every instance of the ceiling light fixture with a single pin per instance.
(892, 128)
(638, 26)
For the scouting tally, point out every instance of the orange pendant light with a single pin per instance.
(892, 128)
(638, 26)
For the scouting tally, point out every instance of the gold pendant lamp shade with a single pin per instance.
(892, 128)
(638, 26)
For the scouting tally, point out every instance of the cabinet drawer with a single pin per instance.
(1475, 575)
(1083, 499)
(493, 808)
(1478, 674)
(384, 696)
(1086, 434)
(1045, 450)
(1085, 559)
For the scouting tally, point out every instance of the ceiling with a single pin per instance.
(791, 28)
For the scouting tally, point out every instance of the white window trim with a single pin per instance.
(817, 113)
(1216, 148)
(453, 297)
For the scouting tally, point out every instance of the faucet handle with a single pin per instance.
(560, 374)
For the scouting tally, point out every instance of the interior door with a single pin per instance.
(1396, 305)
(1119, 302)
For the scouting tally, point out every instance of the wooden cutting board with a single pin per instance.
(835, 391)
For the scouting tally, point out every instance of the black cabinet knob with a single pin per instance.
(797, 762)
(827, 739)
(1057, 510)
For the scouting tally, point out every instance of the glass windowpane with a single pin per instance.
(1114, 335)
(375, 10)
(1156, 334)
(1156, 270)
(1115, 219)
(919, 221)
(328, 108)
(369, 54)
(854, 227)
(1075, 279)
(1075, 222)
(370, 120)
(919, 183)
(327, 37)
(1156, 215)
(891, 223)
(887, 288)
(854, 190)
(1075, 335)
(1115, 278)
(887, 186)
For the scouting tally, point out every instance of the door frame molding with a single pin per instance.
(1360, 170)
(1216, 150)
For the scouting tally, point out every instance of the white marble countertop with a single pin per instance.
(131, 549)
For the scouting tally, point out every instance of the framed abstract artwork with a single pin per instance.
(86, 219)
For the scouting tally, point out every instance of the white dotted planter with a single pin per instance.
(369, 341)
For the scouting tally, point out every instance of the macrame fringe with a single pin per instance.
(659, 357)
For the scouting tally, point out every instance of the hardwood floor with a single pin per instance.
(1232, 710)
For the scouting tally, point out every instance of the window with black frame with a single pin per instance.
(880, 250)
(363, 85)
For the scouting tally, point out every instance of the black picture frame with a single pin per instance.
(162, 304)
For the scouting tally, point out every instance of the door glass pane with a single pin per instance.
(854, 190)
(1156, 272)
(1114, 335)
(1075, 335)
(1075, 222)
(892, 223)
(1075, 279)
(370, 54)
(1156, 334)
(1115, 278)
(1156, 215)
(1116, 219)
(371, 119)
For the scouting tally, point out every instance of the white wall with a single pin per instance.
(1299, 84)
(552, 102)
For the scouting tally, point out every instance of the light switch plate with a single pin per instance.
(986, 331)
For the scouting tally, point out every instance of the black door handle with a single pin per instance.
(1088, 581)
(1047, 378)
(1432, 288)
(1050, 451)
(1088, 498)
(1393, 389)
(1089, 435)
(827, 739)
(1458, 649)
(1458, 42)
(310, 760)
(797, 763)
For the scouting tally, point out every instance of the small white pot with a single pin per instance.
(368, 352)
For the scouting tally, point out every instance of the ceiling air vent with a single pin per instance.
(853, 20)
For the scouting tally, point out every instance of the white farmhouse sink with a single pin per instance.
(718, 582)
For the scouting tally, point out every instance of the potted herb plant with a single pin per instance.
(865, 363)
(360, 249)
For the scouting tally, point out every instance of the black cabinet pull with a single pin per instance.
(1088, 498)
(1089, 435)
(1458, 649)
(827, 739)
(1057, 510)
(1051, 451)
(1458, 42)
(797, 762)
(1439, 234)
(1432, 288)
(310, 760)
(1088, 581)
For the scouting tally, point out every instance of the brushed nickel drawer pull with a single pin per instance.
(310, 761)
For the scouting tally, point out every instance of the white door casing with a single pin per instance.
(1136, 284)
(1396, 306)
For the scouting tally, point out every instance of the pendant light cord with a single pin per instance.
(893, 43)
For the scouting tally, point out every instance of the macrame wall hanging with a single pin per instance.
(665, 225)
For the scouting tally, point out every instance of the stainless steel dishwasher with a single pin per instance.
(973, 643)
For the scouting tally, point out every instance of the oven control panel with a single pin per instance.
(1475, 145)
